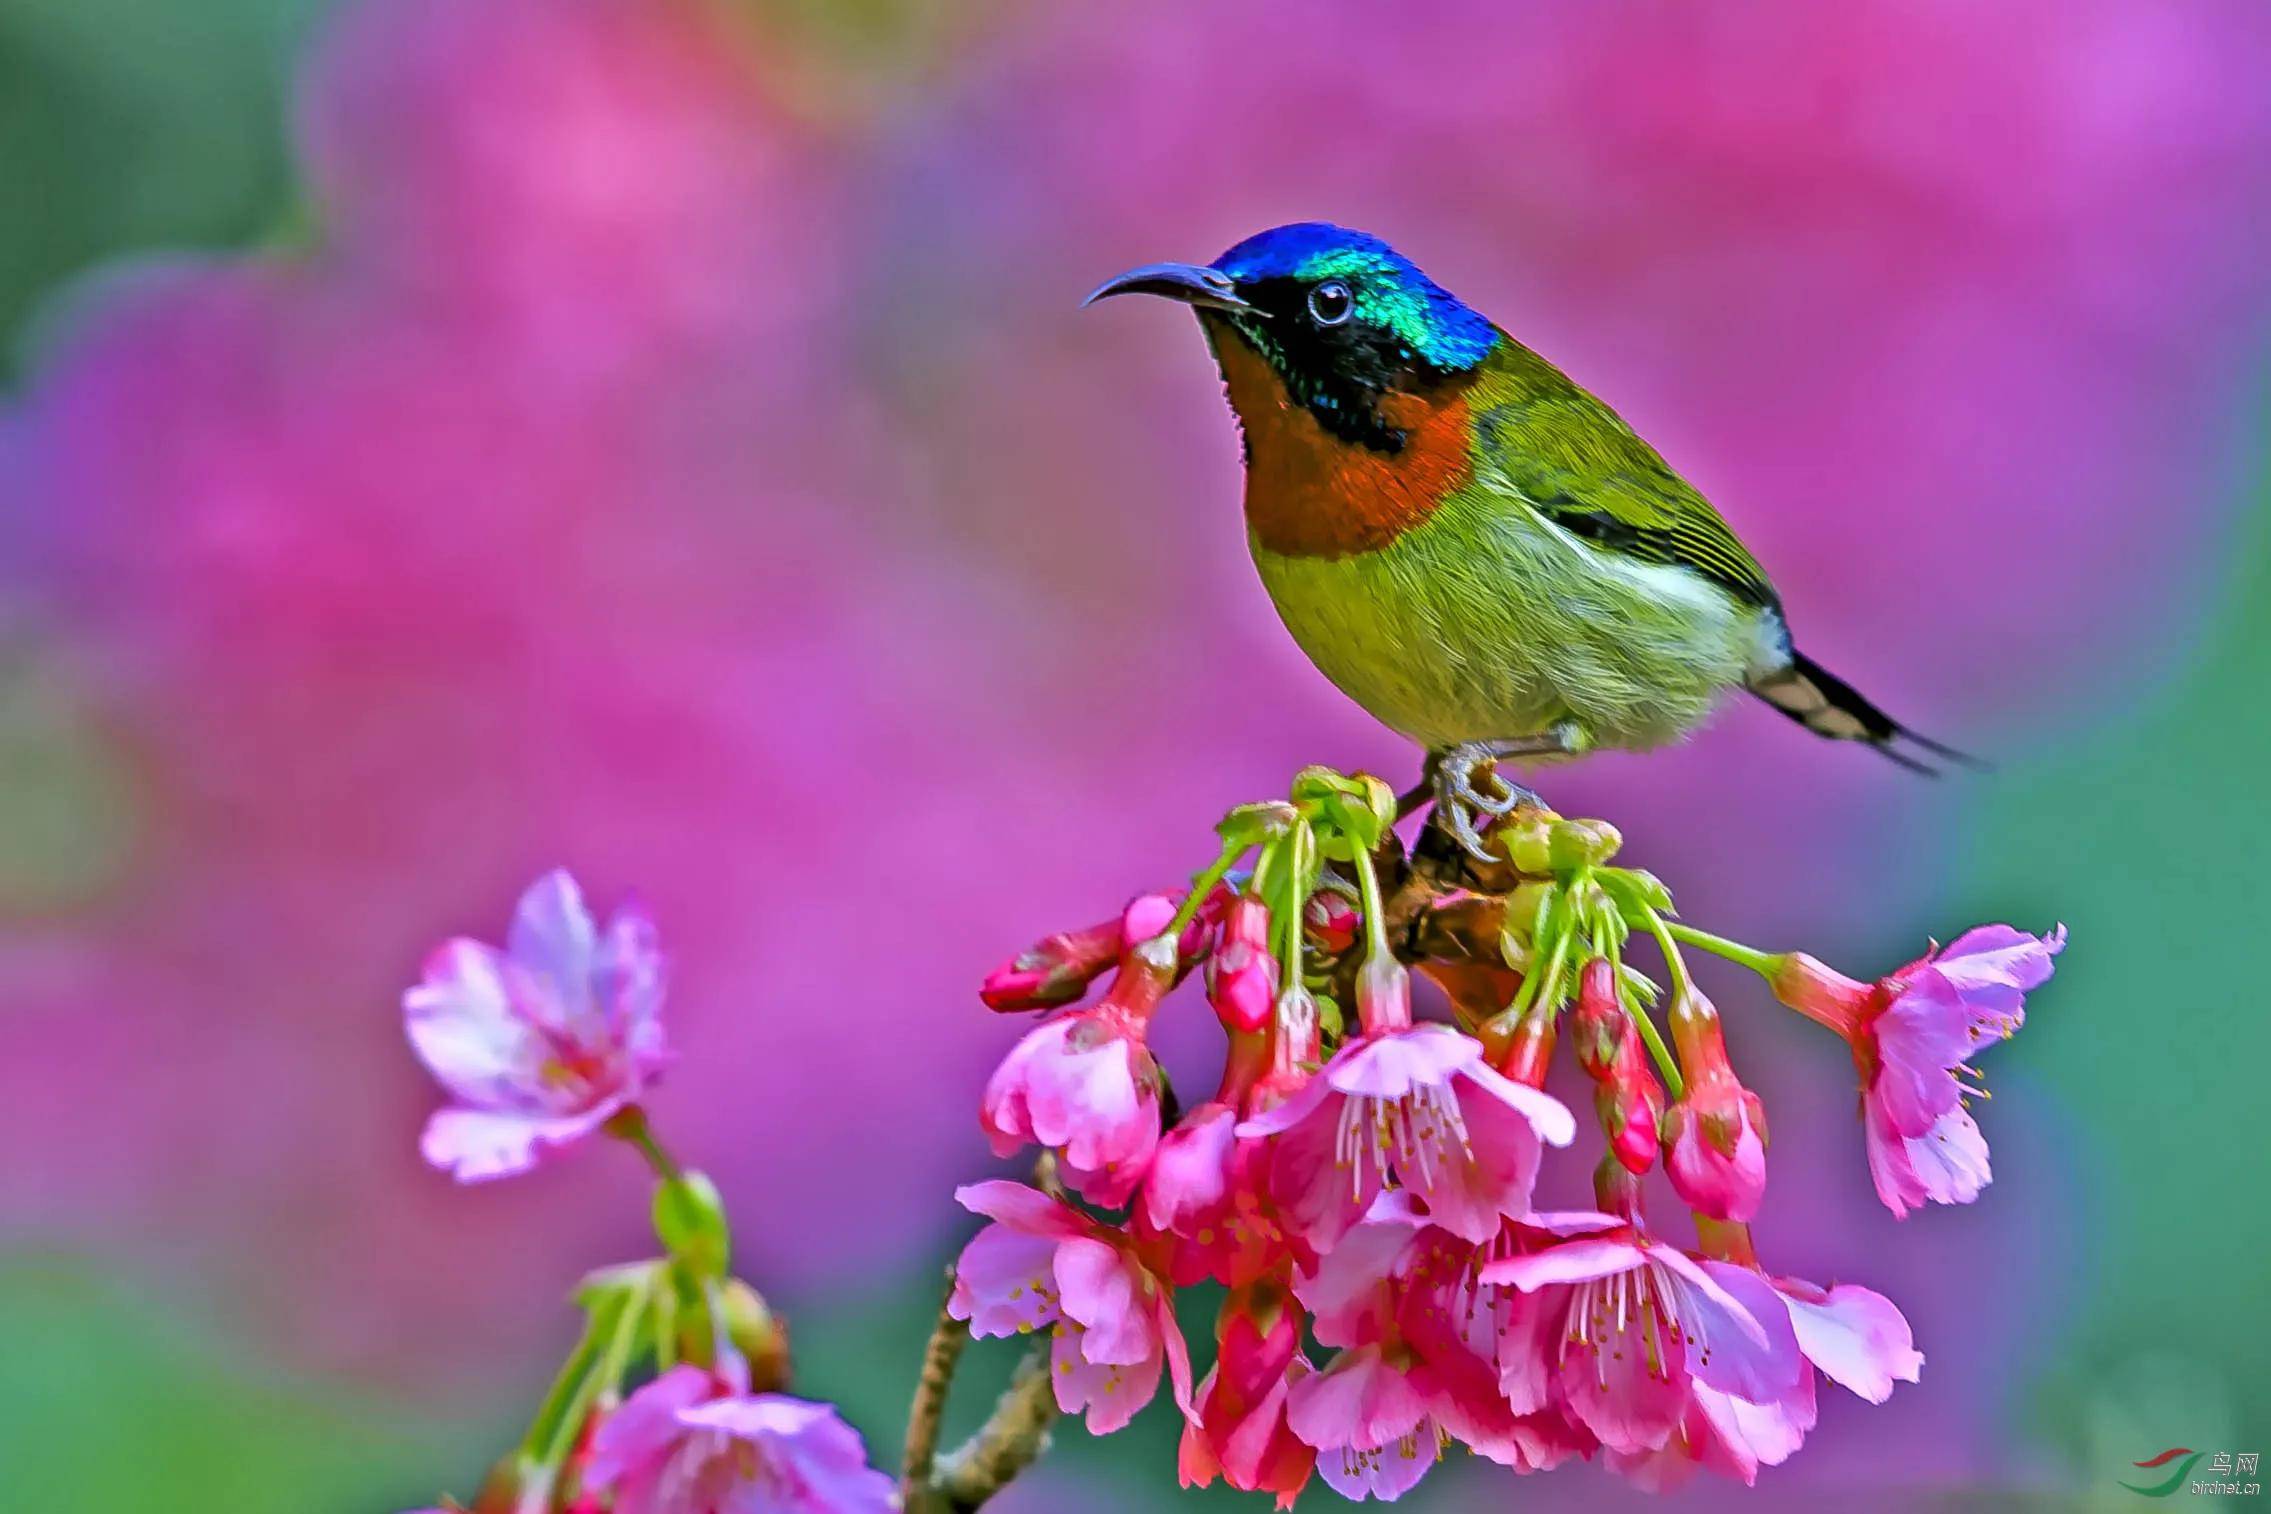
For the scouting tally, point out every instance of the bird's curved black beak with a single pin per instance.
(1205, 288)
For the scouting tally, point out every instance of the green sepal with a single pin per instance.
(1253, 824)
(1636, 894)
(689, 1220)
(604, 1285)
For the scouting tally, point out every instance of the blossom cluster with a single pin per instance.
(1361, 1181)
(554, 1037)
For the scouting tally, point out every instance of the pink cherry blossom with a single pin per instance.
(1044, 1265)
(541, 1043)
(1912, 1033)
(1239, 1430)
(1854, 1336)
(1412, 1104)
(1086, 1084)
(1404, 1297)
(1947, 1164)
(1207, 1205)
(1369, 1423)
(1617, 1328)
(687, 1444)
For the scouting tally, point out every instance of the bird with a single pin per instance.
(1474, 549)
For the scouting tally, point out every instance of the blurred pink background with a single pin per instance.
(670, 446)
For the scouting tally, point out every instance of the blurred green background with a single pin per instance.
(223, 1282)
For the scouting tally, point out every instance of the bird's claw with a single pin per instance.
(1458, 801)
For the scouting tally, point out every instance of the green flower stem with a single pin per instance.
(1203, 885)
(623, 1313)
(1666, 1067)
(1671, 949)
(1375, 911)
(631, 1127)
(536, 1445)
(1611, 946)
(663, 1302)
(1289, 852)
(1762, 963)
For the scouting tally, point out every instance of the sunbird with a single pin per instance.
(1470, 546)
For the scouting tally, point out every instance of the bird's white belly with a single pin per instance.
(1487, 623)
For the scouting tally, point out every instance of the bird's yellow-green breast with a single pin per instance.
(1429, 592)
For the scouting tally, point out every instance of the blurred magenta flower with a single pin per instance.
(1043, 1265)
(686, 1443)
(1912, 1032)
(543, 1042)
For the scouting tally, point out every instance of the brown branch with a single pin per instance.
(1012, 1437)
(947, 1338)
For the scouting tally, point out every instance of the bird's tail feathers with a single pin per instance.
(1828, 706)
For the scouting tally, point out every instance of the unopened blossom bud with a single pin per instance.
(1055, 970)
(1332, 921)
(1715, 1136)
(1598, 1025)
(1627, 1098)
(761, 1336)
(1616, 1188)
(1242, 977)
(1528, 1051)
(1383, 995)
(1146, 916)
(1540, 843)
(689, 1220)
(1239, 1432)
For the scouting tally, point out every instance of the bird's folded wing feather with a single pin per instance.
(1574, 461)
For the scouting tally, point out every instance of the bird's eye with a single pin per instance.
(1330, 303)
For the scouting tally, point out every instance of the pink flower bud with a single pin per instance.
(1243, 974)
(1627, 1099)
(1055, 970)
(1146, 916)
(1528, 1051)
(1715, 1137)
(1383, 995)
(1599, 1026)
(1332, 921)
(1239, 1432)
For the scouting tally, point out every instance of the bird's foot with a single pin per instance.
(1458, 801)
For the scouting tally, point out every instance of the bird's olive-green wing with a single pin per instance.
(1576, 462)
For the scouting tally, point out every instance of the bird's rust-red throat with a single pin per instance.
(1311, 494)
